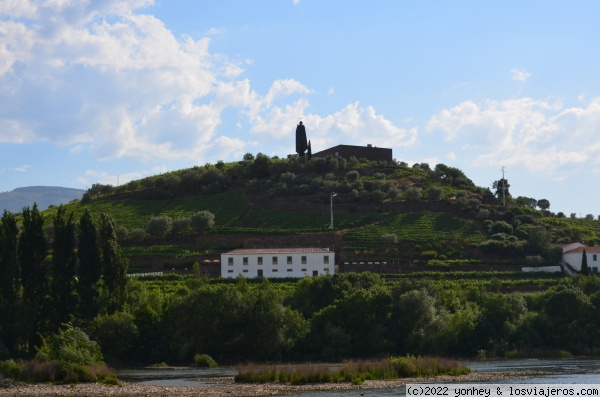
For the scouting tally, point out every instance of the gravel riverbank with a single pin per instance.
(226, 387)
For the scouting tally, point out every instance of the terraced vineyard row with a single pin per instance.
(418, 227)
(266, 219)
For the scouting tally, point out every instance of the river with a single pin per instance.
(583, 371)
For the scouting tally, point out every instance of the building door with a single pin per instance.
(260, 273)
(315, 273)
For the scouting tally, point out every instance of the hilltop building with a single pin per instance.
(277, 262)
(368, 152)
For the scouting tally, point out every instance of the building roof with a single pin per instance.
(268, 251)
(588, 250)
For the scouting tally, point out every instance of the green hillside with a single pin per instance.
(385, 212)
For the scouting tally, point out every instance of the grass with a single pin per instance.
(51, 371)
(351, 371)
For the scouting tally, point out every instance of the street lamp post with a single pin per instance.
(331, 204)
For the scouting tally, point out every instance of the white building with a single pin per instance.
(573, 254)
(277, 262)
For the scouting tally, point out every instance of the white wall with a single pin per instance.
(574, 259)
(315, 264)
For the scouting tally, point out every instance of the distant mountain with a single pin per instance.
(44, 196)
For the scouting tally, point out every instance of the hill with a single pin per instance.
(388, 217)
(44, 196)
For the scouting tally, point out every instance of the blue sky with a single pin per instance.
(113, 90)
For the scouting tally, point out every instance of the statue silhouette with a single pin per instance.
(301, 144)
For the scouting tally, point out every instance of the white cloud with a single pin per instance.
(540, 135)
(520, 75)
(23, 168)
(107, 78)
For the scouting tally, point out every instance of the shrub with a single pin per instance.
(534, 260)
(352, 176)
(202, 221)
(137, 235)
(390, 238)
(413, 194)
(180, 225)
(122, 233)
(483, 214)
(502, 227)
(159, 226)
(204, 361)
(10, 368)
(434, 193)
(429, 254)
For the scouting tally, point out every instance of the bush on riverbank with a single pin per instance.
(66, 357)
(204, 361)
(351, 371)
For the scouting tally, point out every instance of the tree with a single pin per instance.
(159, 226)
(499, 186)
(202, 221)
(64, 261)
(90, 267)
(309, 151)
(9, 264)
(32, 252)
(301, 144)
(584, 264)
(543, 204)
(434, 193)
(114, 267)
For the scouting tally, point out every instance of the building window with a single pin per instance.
(230, 261)
(245, 261)
(594, 257)
(303, 260)
(259, 260)
(274, 270)
(274, 260)
(326, 259)
(326, 270)
(245, 270)
(290, 270)
(229, 271)
(303, 270)
(289, 260)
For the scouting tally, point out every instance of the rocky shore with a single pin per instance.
(226, 387)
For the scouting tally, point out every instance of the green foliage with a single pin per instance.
(204, 361)
(352, 371)
(116, 334)
(418, 227)
(159, 226)
(202, 221)
(68, 356)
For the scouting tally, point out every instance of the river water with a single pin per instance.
(583, 371)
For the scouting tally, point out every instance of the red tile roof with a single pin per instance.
(267, 251)
(588, 250)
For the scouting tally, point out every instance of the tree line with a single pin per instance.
(44, 284)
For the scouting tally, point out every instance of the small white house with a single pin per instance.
(277, 262)
(573, 255)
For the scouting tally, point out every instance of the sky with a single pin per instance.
(107, 91)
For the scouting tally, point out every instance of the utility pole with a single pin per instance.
(503, 188)
(331, 203)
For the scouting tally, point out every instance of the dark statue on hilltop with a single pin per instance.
(301, 144)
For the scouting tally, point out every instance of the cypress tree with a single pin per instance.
(114, 267)
(64, 260)
(9, 264)
(584, 265)
(90, 268)
(32, 249)
(32, 252)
